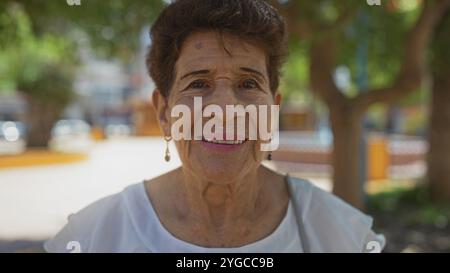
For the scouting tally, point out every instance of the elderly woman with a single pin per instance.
(221, 199)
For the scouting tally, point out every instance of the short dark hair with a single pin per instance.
(252, 20)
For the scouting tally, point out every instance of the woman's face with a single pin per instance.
(237, 77)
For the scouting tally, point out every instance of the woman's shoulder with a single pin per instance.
(329, 223)
(99, 227)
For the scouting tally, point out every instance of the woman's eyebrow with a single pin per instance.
(253, 71)
(206, 71)
(194, 73)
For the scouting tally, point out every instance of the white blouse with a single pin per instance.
(315, 221)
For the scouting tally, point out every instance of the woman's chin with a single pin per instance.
(214, 165)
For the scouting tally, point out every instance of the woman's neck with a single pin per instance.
(211, 214)
(219, 205)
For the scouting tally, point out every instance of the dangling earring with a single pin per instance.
(167, 153)
(269, 156)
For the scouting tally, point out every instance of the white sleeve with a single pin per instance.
(95, 228)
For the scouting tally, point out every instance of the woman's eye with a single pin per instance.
(249, 84)
(198, 84)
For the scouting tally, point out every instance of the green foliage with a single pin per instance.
(384, 33)
(112, 27)
(36, 34)
(392, 199)
(325, 12)
(53, 86)
(39, 66)
(295, 74)
(416, 200)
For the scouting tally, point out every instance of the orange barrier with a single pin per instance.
(378, 158)
(97, 134)
(39, 158)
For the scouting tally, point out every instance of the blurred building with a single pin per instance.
(144, 117)
(103, 88)
(111, 93)
(297, 117)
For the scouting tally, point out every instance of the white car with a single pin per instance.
(71, 136)
(12, 138)
(118, 130)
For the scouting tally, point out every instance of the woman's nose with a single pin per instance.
(222, 95)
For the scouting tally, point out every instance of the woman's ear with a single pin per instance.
(162, 111)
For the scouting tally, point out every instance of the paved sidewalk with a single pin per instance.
(35, 201)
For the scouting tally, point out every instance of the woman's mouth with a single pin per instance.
(223, 145)
(225, 142)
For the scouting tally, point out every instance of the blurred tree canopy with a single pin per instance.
(41, 32)
(113, 28)
(40, 67)
(24, 55)
(39, 49)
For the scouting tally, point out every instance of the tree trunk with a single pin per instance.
(40, 119)
(439, 153)
(346, 126)
(345, 120)
(439, 132)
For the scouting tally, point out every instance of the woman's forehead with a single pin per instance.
(209, 50)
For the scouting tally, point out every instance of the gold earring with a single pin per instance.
(167, 153)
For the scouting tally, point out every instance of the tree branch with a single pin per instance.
(323, 47)
(412, 68)
(322, 64)
(305, 28)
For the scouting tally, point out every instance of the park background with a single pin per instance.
(365, 113)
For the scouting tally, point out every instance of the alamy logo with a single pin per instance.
(373, 2)
(73, 2)
(74, 247)
(258, 127)
(373, 247)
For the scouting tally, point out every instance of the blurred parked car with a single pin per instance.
(71, 136)
(12, 138)
(114, 130)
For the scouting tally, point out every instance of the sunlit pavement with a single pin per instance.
(35, 201)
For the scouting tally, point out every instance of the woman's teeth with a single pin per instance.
(227, 142)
